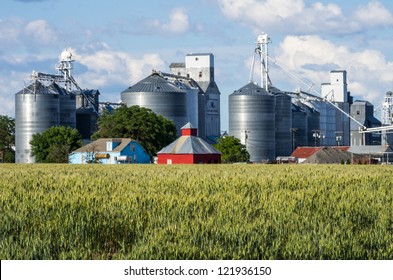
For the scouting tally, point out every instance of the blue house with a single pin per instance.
(110, 151)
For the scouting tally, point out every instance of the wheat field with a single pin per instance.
(291, 212)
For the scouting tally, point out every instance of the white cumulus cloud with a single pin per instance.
(16, 32)
(109, 67)
(9, 85)
(41, 31)
(298, 17)
(312, 57)
(374, 14)
(178, 23)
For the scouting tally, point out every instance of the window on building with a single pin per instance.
(132, 148)
(197, 58)
(200, 74)
(357, 112)
(188, 75)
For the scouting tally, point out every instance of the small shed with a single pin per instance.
(110, 151)
(329, 155)
(335, 154)
(188, 149)
(373, 154)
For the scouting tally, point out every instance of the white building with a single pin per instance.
(200, 68)
(337, 92)
(387, 118)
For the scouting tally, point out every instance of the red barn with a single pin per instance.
(188, 149)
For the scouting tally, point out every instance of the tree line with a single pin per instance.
(152, 131)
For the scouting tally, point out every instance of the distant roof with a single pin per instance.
(193, 54)
(100, 145)
(362, 102)
(309, 108)
(87, 91)
(274, 90)
(306, 152)
(329, 155)
(189, 145)
(177, 65)
(211, 86)
(60, 90)
(371, 149)
(296, 108)
(181, 81)
(338, 71)
(251, 89)
(154, 83)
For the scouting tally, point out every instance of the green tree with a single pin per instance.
(152, 131)
(7, 139)
(232, 150)
(55, 144)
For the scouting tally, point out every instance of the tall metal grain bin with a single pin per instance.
(86, 111)
(283, 122)
(37, 108)
(299, 126)
(313, 123)
(201, 115)
(67, 103)
(327, 122)
(192, 105)
(252, 120)
(161, 96)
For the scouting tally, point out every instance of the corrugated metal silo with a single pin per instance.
(313, 122)
(283, 122)
(159, 95)
(192, 104)
(252, 120)
(67, 103)
(86, 111)
(299, 126)
(201, 115)
(37, 108)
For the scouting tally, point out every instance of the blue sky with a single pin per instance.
(117, 43)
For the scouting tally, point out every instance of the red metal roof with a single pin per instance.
(305, 152)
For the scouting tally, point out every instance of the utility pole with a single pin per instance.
(317, 134)
(338, 137)
(293, 137)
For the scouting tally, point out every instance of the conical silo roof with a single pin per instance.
(251, 89)
(40, 88)
(60, 90)
(153, 83)
(37, 88)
